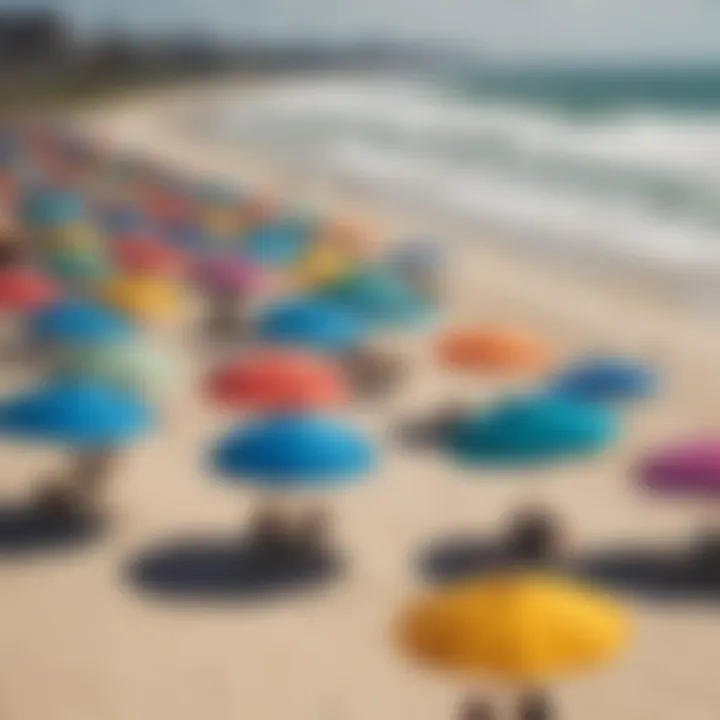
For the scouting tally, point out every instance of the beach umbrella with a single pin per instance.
(524, 629)
(379, 297)
(130, 363)
(321, 266)
(77, 322)
(77, 270)
(311, 323)
(77, 237)
(91, 419)
(606, 379)
(147, 255)
(320, 325)
(122, 219)
(281, 242)
(189, 236)
(24, 289)
(533, 428)
(689, 469)
(494, 349)
(290, 454)
(527, 432)
(276, 380)
(228, 284)
(144, 298)
(51, 207)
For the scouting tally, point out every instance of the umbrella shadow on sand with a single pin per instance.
(643, 571)
(231, 569)
(26, 530)
(461, 557)
(655, 572)
(532, 540)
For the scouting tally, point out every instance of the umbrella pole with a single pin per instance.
(225, 315)
(314, 529)
(87, 472)
(476, 708)
(534, 535)
(535, 705)
(90, 473)
(371, 372)
(269, 526)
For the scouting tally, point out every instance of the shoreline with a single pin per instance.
(155, 125)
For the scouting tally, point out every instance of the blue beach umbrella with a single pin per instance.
(78, 414)
(311, 323)
(49, 207)
(379, 297)
(606, 379)
(293, 453)
(282, 242)
(124, 220)
(73, 322)
(533, 428)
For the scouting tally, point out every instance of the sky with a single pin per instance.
(603, 31)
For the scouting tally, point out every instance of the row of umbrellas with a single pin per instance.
(103, 248)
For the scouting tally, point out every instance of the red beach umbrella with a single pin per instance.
(278, 381)
(24, 289)
(147, 255)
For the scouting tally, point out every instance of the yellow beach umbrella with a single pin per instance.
(524, 629)
(143, 297)
(322, 265)
(75, 237)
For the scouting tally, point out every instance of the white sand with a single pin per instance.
(77, 642)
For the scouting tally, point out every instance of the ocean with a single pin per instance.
(615, 164)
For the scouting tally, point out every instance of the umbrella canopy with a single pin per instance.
(525, 628)
(24, 289)
(322, 265)
(379, 297)
(606, 379)
(121, 219)
(79, 237)
(278, 380)
(531, 429)
(80, 414)
(48, 207)
(685, 468)
(132, 364)
(494, 349)
(143, 297)
(229, 275)
(311, 323)
(74, 321)
(282, 242)
(293, 453)
(150, 256)
(72, 266)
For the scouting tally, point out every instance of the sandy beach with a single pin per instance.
(80, 641)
